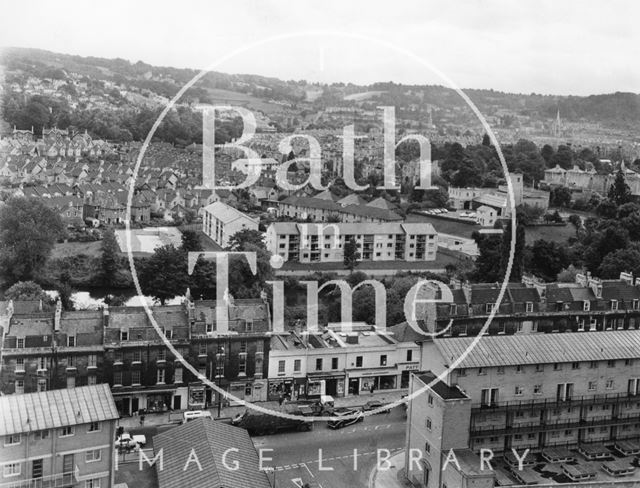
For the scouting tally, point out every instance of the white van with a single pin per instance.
(196, 414)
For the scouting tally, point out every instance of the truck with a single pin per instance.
(257, 423)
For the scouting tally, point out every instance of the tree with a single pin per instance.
(487, 263)
(486, 140)
(618, 261)
(28, 232)
(351, 255)
(607, 209)
(163, 275)
(244, 237)
(547, 259)
(568, 275)
(560, 197)
(191, 241)
(528, 214)
(563, 157)
(110, 259)
(26, 291)
(619, 193)
(547, 153)
(576, 221)
(518, 256)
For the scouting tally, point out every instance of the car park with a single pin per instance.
(344, 417)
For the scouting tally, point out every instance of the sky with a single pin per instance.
(562, 47)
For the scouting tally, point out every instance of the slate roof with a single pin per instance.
(540, 348)
(226, 213)
(440, 388)
(359, 210)
(52, 409)
(208, 440)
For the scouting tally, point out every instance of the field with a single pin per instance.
(69, 249)
(558, 233)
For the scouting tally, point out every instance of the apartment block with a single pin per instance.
(60, 438)
(220, 221)
(313, 243)
(540, 390)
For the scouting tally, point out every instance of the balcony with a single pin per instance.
(530, 427)
(555, 403)
(61, 480)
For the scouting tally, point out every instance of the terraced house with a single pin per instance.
(45, 350)
(589, 304)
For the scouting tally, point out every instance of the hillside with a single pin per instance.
(119, 91)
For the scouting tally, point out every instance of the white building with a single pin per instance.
(220, 221)
(389, 241)
(342, 359)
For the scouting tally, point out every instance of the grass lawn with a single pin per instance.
(558, 234)
(68, 249)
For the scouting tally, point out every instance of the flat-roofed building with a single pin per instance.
(323, 243)
(58, 438)
(539, 390)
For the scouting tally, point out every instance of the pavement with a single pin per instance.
(388, 478)
(228, 412)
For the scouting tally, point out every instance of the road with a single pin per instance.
(296, 456)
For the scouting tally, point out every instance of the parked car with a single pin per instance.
(195, 414)
(345, 417)
(128, 441)
(261, 424)
(375, 405)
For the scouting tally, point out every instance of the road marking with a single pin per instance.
(307, 468)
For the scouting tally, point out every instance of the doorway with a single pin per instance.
(354, 386)
(177, 402)
(67, 463)
(331, 387)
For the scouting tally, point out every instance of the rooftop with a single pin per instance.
(540, 348)
(33, 412)
(207, 441)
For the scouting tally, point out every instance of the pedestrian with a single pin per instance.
(280, 399)
(141, 419)
(372, 387)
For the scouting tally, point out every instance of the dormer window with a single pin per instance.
(489, 307)
(453, 309)
(614, 304)
(636, 303)
(529, 307)
(586, 305)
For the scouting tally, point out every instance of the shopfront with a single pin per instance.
(290, 388)
(250, 391)
(367, 381)
(134, 402)
(324, 384)
(405, 374)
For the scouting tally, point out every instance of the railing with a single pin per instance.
(547, 426)
(52, 481)
(554, 402)
(628, 483)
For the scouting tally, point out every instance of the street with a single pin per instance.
(296, 455)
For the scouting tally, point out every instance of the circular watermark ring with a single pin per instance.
(315, 33)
